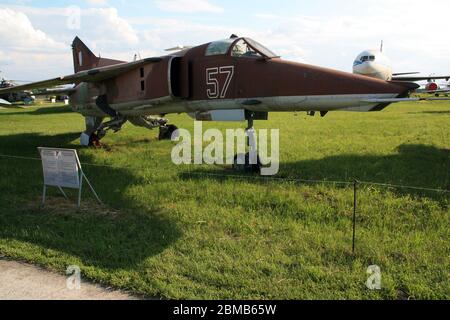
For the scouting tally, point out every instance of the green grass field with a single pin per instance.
(167, 232)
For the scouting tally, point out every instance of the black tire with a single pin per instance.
(165, 133)
(94, 140)
(247, 167)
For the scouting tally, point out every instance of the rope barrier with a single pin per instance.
(354, 184)
(217, 175)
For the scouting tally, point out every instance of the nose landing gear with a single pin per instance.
(249, 162)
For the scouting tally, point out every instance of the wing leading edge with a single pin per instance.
(92, 75)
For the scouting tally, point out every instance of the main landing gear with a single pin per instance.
(96, 129)
(249, 162)
(166, 132)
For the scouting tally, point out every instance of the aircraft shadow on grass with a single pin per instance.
(121, 240)
(432, 112)
(28, 143)
(412, 165)
(41, 111)
(144, 230)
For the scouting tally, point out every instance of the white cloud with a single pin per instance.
(18, 34)
(107, 29)
(97, 2)
(37, 55)
(5, 59)
(415, 41)
(27, 52)
(188, 6)
(103, 28)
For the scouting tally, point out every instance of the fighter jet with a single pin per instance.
(234, 79)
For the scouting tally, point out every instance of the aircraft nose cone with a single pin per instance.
(409, 85)
(369, 67)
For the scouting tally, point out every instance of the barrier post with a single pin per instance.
(355, 203)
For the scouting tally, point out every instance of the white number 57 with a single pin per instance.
(214, 91)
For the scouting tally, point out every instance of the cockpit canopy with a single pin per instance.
(367, 58)
(239, 47)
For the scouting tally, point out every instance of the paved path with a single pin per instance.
(19, 281)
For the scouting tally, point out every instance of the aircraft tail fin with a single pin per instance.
(85, 59)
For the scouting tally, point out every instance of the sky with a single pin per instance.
(35, 36)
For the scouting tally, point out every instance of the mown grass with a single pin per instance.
(175, 233)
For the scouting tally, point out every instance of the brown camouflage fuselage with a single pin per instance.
(191, 81)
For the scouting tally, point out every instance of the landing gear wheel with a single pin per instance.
(247, 167)
(165, 132)
(94, 141)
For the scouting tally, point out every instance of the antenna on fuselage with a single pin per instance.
(381, 48)
(136, 56)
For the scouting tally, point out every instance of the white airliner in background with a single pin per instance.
(375, 64)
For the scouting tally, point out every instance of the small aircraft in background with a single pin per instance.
(234, 79)
(375, 64)
(20, 96)
(433, 87)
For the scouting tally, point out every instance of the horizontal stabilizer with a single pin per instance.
(404, 74)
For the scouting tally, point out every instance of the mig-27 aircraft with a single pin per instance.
(234, 79)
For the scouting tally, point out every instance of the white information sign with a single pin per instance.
(60, 168)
